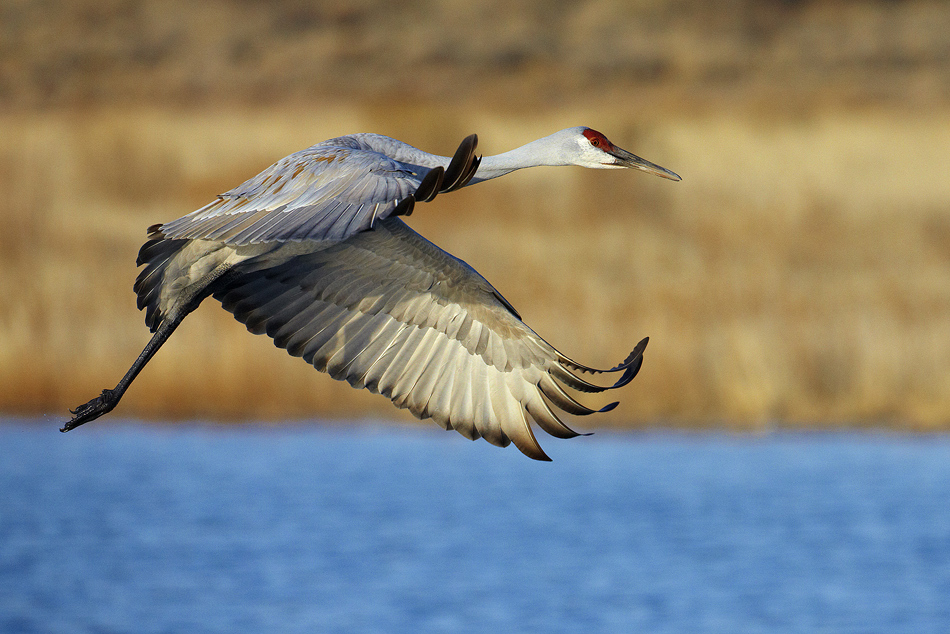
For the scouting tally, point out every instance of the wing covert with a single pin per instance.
(330, 191)
(323, 193)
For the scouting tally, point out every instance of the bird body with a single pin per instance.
(312, 252)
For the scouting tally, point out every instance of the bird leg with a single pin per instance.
(106, 402)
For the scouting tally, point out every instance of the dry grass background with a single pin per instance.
(799, 275)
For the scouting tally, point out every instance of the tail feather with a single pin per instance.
(155, 255)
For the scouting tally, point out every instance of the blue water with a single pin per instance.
(125, 528)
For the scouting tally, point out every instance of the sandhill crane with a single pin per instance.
(312, 252)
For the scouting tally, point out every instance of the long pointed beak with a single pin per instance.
(626, 159)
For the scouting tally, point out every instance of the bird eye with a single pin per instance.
(597, 140)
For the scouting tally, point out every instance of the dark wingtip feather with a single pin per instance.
(634, 359)
(460, 169)
(630, 367)
(559, 373)
(476, 161)
(405, 207)
(429, 187)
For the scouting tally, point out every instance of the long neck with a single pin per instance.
(533, 154)
(540, 152)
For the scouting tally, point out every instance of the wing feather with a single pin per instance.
(399, 356)
(360, 372)
(290, 323)
(413, 367)
(462, 409)
(366, 330)
(330, 191)
(326, 192)
(429, 380)
(323, 332)
(389, 311)
(374, 373)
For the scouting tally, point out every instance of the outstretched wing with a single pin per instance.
(327, 192)
(389, 311)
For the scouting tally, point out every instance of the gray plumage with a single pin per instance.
(311, 252)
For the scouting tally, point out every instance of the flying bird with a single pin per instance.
(313, 253)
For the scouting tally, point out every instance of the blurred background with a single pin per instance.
(798, 276)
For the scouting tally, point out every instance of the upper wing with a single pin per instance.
(389, 311)
(327, 192)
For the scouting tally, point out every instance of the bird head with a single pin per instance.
(593, 149)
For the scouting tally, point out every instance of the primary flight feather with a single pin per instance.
(312, 252)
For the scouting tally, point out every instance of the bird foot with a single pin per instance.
(102, 404)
